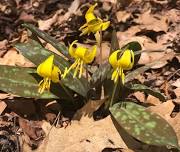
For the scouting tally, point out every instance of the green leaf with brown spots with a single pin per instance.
(24, 82)
(43, 35)
(148, 90)
(37, 54)
(144, 125)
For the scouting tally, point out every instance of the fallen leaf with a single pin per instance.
(149, 57)
(71, 10)
(46, 24)
(88, 109)
(2, 106)
(153, 100)
(31, 128)
(177, 101)
(176, 83)
(165, 109)
(123, 16)
(3, 47)
(140, 96)
(177, 92)
(12, 57)
(152, 22)
(26, 17)
(82, 136)
(110, 1)
(106, 6)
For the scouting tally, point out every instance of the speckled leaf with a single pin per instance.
(144, 125)
(60, 47)
(101, 76)
(20, 81)
(131, 75)
(37, 54)
(143, 88)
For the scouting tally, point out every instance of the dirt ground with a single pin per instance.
(30, 125)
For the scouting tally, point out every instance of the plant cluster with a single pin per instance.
(68, 74)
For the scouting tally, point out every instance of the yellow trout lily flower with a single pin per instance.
(120, 63)
(93, 24)
(82, 55)
(49, 72)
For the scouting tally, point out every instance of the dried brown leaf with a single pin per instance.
(152, 22)
(153, 100)
(176, 83)
(3, 106)
(140, 96)
(165, 109)
(82, 136)
(177, 92)
(123, 16)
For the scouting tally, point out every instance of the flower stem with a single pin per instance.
(100, 47)
(113, 94)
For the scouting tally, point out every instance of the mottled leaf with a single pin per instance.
(60, 47)
(24, 82)
(144, 125)
(101, 76)
(37, 54)
(143, 88)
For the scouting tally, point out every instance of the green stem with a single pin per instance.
(100, 47)
(113, 94)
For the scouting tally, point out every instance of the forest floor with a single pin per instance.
(155, 24)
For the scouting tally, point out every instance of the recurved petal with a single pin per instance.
(113, 59)
(45, 68)
(127, 60)
(90, 13)
(55, 74)
(72, 49)
(105, 25)
(90, 55)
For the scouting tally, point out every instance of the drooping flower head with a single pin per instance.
(49, 72)
(93, 24)
(121, 62)
(82, 55)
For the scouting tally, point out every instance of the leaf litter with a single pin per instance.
(155, 24)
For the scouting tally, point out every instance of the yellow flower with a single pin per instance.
(93, 24)
(82, 55)
(121, 62)
(49, 72)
